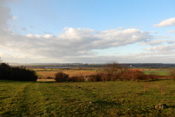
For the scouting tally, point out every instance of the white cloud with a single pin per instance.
(29, 35)
(155, 42)
(163, 49)
(34, 36)
(167, 22)
(143, 57)
(14, 18)
(74, 42)
(48, 36)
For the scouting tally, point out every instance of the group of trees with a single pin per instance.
(16, 73)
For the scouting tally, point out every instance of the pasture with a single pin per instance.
(115, 98)
(161, 72)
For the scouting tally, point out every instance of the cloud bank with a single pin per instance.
(73, 42)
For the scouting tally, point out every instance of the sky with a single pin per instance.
(87, 31)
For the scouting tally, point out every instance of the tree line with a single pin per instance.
(16, 73)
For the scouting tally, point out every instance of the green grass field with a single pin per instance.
(119, 98)
(157, 72)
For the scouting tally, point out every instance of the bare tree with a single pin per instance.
(115, 70)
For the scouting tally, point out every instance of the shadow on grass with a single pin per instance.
(171, 106)
(155, 80)
(47, 82)
(14, 81)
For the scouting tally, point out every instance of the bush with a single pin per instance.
(4, 71)
(151, 77)
(76, 79)
(95, 77)
(61, 77)
(172, 74)
(16, 73)
(136, 75)
(113, 71)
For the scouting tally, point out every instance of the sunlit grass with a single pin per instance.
(119, 98)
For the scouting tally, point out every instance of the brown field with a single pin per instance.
(48, 75)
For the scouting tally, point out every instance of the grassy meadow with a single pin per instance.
(161, 72)
(115, 98)
(112, 98)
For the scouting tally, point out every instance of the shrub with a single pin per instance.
(113, 72)
(137, 75)
(172, 74)
(132, 75)
(151, 77)
(95, 77)
(106, 76)
(61, 77)
(76, 79)
(16, 73)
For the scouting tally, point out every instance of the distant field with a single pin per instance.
(157, 72)
(44, 73)
(119, 98)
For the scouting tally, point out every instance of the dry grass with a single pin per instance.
(49, 74)
(44, 74)
(45, 79)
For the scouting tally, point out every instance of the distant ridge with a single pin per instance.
(83, 65)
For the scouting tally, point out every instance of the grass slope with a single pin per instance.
(117, 98)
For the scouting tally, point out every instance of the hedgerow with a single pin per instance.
(16, 73)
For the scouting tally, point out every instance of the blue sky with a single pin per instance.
(95, 14)
(87, 31)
